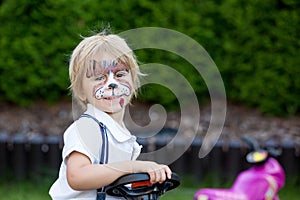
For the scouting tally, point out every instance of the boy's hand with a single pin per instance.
(157, 172)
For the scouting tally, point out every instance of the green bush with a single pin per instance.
(261, 45)
(255, 45)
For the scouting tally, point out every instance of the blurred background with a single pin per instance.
(255, 45)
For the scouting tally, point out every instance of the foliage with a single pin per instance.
(255, 45)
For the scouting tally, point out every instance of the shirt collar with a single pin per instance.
(121, 134)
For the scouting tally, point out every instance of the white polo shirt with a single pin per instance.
(84, 136)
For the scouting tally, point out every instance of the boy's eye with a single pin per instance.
(122, 73)
(100, 78)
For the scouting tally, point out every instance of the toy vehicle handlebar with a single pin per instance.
(251, 142)
(137, 185)
(259, 155)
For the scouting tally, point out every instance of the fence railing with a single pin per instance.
(22, 156)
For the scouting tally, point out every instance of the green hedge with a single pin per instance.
(255, 45)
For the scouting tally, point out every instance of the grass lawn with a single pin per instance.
(24, 190)
(38, 190)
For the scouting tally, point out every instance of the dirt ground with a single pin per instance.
(42, 118)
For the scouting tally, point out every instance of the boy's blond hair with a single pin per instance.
(96, 45)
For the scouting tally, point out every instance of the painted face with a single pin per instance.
(109, 85)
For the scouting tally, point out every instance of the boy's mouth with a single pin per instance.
(120, 99)
(111, 97)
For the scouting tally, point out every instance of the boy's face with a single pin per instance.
(108, 84)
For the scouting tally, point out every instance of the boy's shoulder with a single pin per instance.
(80, 126)
(84, 133)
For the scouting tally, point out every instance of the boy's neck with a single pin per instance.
(118, 117)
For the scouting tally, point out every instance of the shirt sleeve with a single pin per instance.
(136, 150)
(83, 136)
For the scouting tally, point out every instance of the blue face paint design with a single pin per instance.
(104, 66)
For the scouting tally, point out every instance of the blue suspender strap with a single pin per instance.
(104, 152)
(104, 155)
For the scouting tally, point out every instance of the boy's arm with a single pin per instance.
(82, 175)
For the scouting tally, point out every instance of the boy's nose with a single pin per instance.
(112, 86)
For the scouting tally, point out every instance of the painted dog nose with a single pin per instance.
(112, 86)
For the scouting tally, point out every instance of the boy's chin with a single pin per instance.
(114, 111)
(116, 108)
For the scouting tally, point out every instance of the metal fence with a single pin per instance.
(22, 157)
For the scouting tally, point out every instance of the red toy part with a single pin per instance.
(141, 184)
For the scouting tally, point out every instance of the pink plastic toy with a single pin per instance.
(261, 182)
